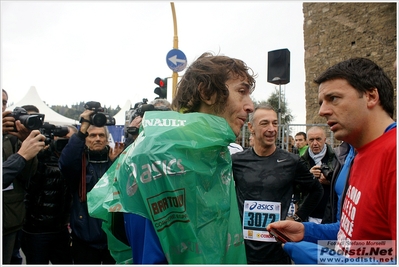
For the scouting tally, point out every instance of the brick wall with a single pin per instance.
(337, 31)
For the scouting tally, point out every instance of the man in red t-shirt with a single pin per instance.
(356, 98)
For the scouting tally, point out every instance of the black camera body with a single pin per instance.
(327, 171)
(50, 130)
(100, 117)
(30, 121)
(55, 146)
(139, 109)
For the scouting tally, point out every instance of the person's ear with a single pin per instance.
(250, 128)
(372, 97)
(208, 100)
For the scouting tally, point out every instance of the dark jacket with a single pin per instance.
(83, 226)
(331, 161)
(330, 214)
(48, 199)
(16, 171)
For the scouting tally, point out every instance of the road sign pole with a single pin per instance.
(175, 46)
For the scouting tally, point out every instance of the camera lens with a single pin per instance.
(99, 119)
(32, 122)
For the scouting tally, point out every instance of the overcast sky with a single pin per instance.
(111, 51)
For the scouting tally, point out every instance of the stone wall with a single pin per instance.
(338, 31)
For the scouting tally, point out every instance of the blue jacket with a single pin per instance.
(86, 228)
(143, 238)
(309, 252)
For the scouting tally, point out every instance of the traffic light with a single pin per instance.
(162, 88)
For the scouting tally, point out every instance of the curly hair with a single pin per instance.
(206, 76)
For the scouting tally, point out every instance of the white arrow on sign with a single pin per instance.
(175, 60)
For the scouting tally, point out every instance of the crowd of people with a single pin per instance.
(181, 191)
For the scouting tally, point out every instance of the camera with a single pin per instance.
(139, 109)
(55, 146)
(50, 130)
(99, 118)
(327, 171)
(30, 121)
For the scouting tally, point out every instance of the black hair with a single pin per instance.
(363, 75)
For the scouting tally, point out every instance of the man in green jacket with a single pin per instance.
(301, 143)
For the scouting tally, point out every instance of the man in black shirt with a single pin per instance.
(265, 177)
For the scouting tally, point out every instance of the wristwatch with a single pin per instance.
(297, 218)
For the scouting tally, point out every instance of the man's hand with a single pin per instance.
(8, 127)
(84, 125)
(32, 145)
(316, 171)
(323, 180)
(113, 153)
(134, 126)
(22, 132)
(136, 122)
(8, 122)
(293, 230)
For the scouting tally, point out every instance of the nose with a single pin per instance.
(270, 127)
(249, 105)
(324, 110)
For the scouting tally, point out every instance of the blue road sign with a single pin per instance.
(176, 60)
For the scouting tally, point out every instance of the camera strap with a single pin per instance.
(83, 120)
(82, 182)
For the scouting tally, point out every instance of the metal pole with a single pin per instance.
(175, 46)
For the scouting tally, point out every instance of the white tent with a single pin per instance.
(120, 117)
(52, 117)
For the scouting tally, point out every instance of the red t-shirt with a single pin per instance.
(369, 209)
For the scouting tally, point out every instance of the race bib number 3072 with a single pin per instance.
(256, 216)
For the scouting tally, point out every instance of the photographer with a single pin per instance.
(45, 237)
(133, 129)
(322, 162)
(19, 163)
(83, 161)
